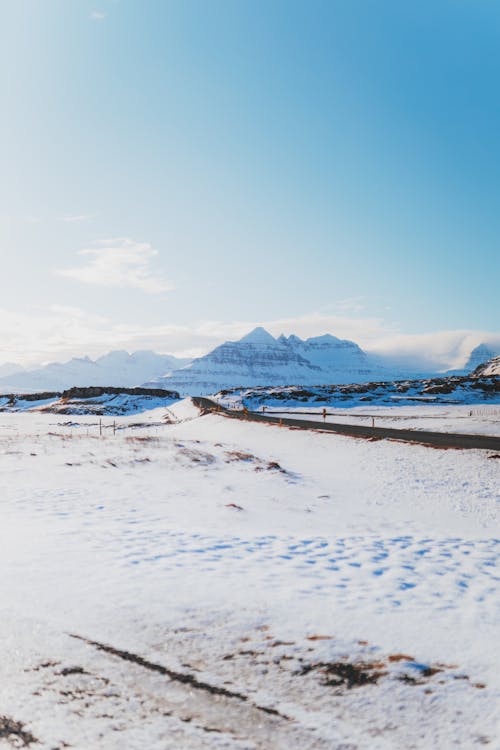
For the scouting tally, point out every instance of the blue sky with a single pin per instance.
(177, 171)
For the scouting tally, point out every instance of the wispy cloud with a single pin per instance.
(353, 305)
(97, 15)
(74, 219)
(120, 262)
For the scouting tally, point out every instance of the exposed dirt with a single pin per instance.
(15, 733)
(347, 674)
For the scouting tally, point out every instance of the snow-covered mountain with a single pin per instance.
(335, 357)
(118, 368)
(260, 359)
(10, 368)
(488, 369)
(478, 356)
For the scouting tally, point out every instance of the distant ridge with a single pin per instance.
(118, 368)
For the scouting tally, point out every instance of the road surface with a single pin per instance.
(423, 437)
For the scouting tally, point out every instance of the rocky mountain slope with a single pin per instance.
(488, 369)
(333, 356)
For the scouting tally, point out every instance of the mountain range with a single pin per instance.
(260, 359)
(256, 359)
(116, 368)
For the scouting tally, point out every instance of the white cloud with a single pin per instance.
(439, 350)
(119, 262)
(97, 15)
(77, 218)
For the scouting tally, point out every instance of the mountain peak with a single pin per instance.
(259, 335)
(326, 338)
(291, 340)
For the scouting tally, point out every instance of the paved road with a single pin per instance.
(423, 437)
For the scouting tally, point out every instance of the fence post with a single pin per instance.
(100, 426)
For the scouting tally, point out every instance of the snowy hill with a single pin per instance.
(482, 388)
(260, 359)
(93, 400)
(118, 368)
(488, 369)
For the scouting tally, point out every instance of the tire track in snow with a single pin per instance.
(183, 677)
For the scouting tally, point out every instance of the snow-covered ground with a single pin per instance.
(240, 585)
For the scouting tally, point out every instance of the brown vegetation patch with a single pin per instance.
(239, 456)
(400, 657)
(15, 733)
(143, 439)
(195, 456)
(320, 637)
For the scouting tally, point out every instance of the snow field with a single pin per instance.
(250, 556)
